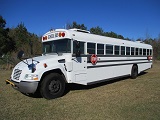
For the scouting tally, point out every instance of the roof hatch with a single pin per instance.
(80, 30)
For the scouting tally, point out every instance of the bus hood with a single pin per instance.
(35, 66)
(39, 61)
(46, 58)
(42, 59)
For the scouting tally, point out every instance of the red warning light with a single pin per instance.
(63, 34)
(149, 58)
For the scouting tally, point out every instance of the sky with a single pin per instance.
(131, 18)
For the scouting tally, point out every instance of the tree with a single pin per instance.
(6, 43)
(37, 46)
(127, 39)
(120, 37)
(97, 30)
(21, 35)
(25, 39)
(158, 42)
(156, 47)
(2, 22)
(113, 34)
(75, 25)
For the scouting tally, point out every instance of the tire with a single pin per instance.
(52, 86)
(134, 72)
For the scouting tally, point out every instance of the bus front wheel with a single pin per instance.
(52, 86)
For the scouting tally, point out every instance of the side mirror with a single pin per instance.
(78, 53)
(77, 44)
(20, 54)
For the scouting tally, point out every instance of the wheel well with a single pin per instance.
(135, 65)
(48, 72)
(52, 71)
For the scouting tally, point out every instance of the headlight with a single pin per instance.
(31, 77)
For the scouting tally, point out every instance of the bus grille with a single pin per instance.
(17, 74)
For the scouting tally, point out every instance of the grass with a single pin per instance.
(122, 99)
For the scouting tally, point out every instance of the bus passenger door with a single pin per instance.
(80, 69)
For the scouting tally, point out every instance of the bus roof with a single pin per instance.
(85, 36)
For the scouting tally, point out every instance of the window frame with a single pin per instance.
(81, 48)
(100, 49)
(144, 51)
(140, 51)
(116, 50)
(123, 52)
(136, 51)
(110, 50)
(91, 48)
(128, 51)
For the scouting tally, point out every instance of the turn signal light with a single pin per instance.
(45, 65)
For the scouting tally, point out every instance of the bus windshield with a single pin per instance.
(57, 46)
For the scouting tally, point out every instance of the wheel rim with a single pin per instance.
(54, 86)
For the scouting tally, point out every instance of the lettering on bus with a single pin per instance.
(51, 36)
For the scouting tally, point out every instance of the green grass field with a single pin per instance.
(122, 99)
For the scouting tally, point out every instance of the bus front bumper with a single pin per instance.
(23, 86)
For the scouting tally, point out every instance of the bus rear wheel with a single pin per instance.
(52, 86)
(134, 72)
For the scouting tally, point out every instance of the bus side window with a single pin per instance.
(100, 49)
(91, 48)
(122, 50)
(150, 52)
(137, 51)
(109, 49)
(127, 50)
(144, 51)
(81, 47)
(116, 50)
(147, 51)
(140, 51)
(132, 51)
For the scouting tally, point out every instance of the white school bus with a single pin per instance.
(77, 56)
